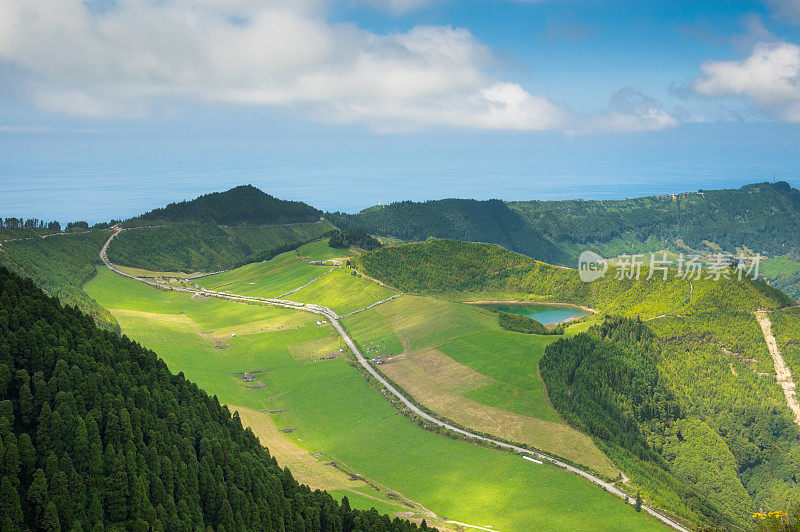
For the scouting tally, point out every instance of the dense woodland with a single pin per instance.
(467, 220)
(762, 217)
(243, 205)
(525, 324)
(96, 432)
(349, 238)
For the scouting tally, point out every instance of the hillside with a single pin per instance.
(60, 265)
(208, 247)
(762, 216)
(685, 401)
(465, 271)
(466, 220)
(96, 432)
(242, 205)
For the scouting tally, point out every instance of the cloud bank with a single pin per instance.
(137, 57)
(769, 78)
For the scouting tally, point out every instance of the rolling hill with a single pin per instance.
(761, 216)
(242, 205)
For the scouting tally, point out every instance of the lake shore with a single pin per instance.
(529, 302)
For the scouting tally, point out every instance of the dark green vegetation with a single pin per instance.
(206, 248)
(763, 217)
(524, 324)
(348, 238)
(467, 220)
(686, 403)
(60, 265)
(784, 273)
(606, 383)
(243, 205)
(95, 431)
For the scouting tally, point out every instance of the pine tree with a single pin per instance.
(10, 504)
(638, 505)
(37, 494)
(50, 521)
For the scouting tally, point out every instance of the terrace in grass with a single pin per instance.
(334, 411)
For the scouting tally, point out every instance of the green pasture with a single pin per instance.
(265, 279)
(320, 250)
(336, 412)
(342, 292)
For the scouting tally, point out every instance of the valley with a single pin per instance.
(333, 410)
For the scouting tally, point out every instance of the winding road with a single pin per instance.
(333, 317)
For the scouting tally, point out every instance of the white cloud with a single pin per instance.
(769, 78)
(144, 56)
(629, 110)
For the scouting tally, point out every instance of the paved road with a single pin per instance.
(333, 318)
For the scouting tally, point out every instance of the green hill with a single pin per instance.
(466, 271)
(242, 205)
(466, 220)
(60, 265)
(764, 217)
(208, 247)
(96, 432)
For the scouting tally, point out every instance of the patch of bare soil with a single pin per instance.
(782, 374)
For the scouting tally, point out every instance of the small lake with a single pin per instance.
(544, 314)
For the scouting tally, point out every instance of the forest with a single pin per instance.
(466, 220)
(242, 205)
(465, 271)
(760, 216)
(95, 432)
(525, 324)
(348, 238)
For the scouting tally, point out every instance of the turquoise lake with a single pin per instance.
(544, 314)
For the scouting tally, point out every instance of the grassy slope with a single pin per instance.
(265, 279)
(196, 247)
(336, 412)
(342, 292)
(462, 271)
(320, 250)
(502, 372)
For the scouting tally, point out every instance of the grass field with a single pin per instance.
(320, 250)
(342, 292)
(335, 412)
(265, 279)
(455, 359)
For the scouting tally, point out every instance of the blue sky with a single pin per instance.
(335, 102)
